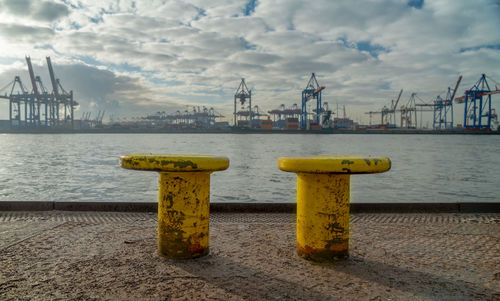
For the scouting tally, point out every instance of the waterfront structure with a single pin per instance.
(323, 196)
(478, 113)
(443, 109)
(243, 95)
(40, 108)
(312, 91)
(183, 200)
(388, 115)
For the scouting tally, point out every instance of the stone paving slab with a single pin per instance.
(106, 255)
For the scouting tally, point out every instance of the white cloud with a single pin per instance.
(34, 11)
(163, 53)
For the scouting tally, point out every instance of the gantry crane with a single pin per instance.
(199, 118)
(443, 108)
(54, 112)
(243, 94)
(478, 113)
(62, 97)
(312, 91)
(17, 98)
(37, 101)
(387, 115)
(392, 111)
(409, 113)
(326, 115)
(413, 110)
(282, 114)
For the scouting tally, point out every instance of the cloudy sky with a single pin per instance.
(132, 58)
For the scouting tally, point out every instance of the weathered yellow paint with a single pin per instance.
(174, 162)
(183, 200)
(335, 164)
(322, 216)
(323, 193)
(183, 214)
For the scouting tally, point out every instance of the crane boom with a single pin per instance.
(52, 77)
(399, 96)
(456, 87)
(316, 91)
(32, 77)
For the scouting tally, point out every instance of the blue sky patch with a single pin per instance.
(385, 86)
(75, 26)
(96, 20)
(248, 45)
(67, 2)
(201, 13)
(126, 68)
(416, 3)
(373, 49)
(250, 7)
(476, 48)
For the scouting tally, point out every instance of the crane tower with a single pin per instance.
(243, 94)
(478, 113)
(312, 91)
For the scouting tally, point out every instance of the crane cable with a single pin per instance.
(497, 83)
(7, 85)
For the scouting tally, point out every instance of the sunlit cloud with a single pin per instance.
(134, 57)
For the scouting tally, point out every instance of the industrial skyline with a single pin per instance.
(132, 59)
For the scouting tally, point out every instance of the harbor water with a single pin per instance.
(85, 168)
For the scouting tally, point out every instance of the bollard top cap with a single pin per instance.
(335, 164)
(174, 162)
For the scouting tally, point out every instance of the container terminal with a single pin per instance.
(36, 108)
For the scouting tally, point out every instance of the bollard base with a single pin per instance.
(323, 255)
(195, 252)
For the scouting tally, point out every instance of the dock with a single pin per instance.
(95, 255)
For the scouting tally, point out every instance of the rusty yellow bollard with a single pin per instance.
(183, 200)
(323, 193)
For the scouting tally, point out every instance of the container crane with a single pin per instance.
(414, 107)
(243, 94)
(392, 111)
(409, 113)
(327, 113)
(277, 115)
(35, 117)
(444, 108)
(55, 87)
(312, 91)
(478, 113)
(17, 98)
(387, 115)
(62, 97)
(45, 97)
(100, 116)
(39, 98)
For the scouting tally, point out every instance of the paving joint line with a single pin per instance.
(31, 236)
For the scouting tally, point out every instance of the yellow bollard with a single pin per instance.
(183, 200)
(323, 193)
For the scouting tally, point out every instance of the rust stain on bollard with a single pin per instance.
(183, 214)
(323, 193)
(183, 200)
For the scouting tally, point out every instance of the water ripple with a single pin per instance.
(426, 168)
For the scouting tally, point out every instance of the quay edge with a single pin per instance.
(483, 207)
